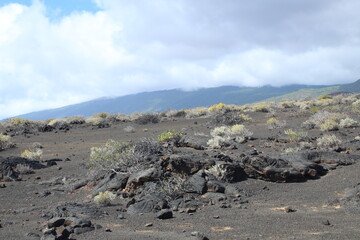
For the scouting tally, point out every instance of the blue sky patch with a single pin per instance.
(59, 8)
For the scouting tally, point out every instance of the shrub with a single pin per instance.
(170, 135)
(147, 118)
(217, 107)
(19, 121)
(174, 113)
(223, 136)
(245, 117)
(229, 118)
(97, 121)
(34, 155)
(295, 135)
(329, 142)
(322, 117)
(172, 186)
(118, 156)
(217, 171)
(146, 147)
(24, 169)
(5, 142)
(262, 107)
(196, 112)
(129, 129)
(104, 198)
(348, 122)
(274, 123)
(329, 125)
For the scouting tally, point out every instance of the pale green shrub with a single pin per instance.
(224, 135)
(329, 142)
(24, 169)
(329, 125)
(34, 155)
(274, 123)
(113, 155)
(295, 135)
(129, 129)
(104, 198)
(348, 122)
(170, 135)
(5, 142)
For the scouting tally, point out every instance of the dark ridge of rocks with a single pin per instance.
(197, 142)
(294, 167)
(75, 210)
(8, 167)
(112, 182)
(61, 228)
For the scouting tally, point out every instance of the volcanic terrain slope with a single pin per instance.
(287, 170)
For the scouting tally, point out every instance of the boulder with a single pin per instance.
(196, 142)
(139, 177)
(196, 183)
(112, 181)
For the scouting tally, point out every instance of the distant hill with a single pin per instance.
(177, 99)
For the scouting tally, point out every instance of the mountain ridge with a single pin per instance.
(162, 100)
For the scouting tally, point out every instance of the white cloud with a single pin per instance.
(134, 46)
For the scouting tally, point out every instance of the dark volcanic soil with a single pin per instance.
(270, 210)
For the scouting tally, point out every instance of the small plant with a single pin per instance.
(114, 155)
(329, 142)
(172, 186)
(329, 125)
(20, 121)
(129, 129)
(217, 170)
(5, 142)
(147, 118)
(295, 135)
(262, 107)
(224, 135)
(245, 117)
(348, 122)
(217, 107)
(24, 169)
(274, 123)
(196, 112)
(104, 198)
(34, 155)
(169, 135)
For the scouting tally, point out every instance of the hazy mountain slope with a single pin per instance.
(178, 99)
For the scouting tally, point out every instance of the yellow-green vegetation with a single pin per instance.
(19, 121)
(329, 125)
(112, 155)
(295, 135)
(104, 198)
(262, 106)
(5, 142)
(324, 97)
(217, 107)
(196, 112)
(245, 117)
(169, 135)
(315, 109)
(34, 155)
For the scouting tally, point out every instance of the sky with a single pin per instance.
(59, 52)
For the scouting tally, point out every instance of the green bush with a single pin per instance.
(169, 135)
(5, 142)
